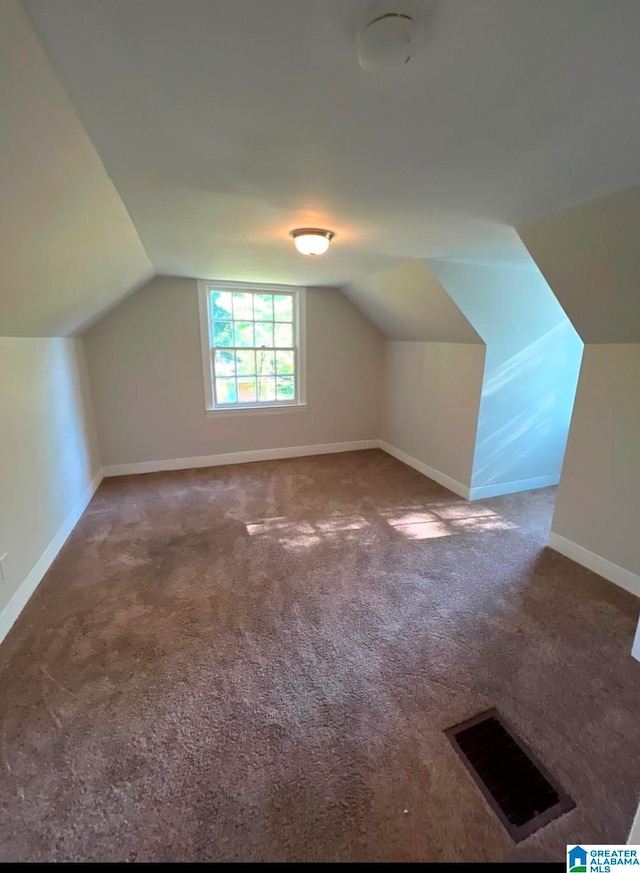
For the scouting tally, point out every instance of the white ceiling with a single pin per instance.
(225, 123)
(68, 248)
(409, 303)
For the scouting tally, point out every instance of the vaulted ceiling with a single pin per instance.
(409, 303)
(223, 124)
(68, 248)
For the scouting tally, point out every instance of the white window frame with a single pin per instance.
(299, 345)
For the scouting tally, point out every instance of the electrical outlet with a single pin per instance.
(3, 558)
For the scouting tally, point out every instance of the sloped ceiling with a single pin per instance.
(68, 248)
(408, 303)
(509, 308)
(226, 123)
(590, 256)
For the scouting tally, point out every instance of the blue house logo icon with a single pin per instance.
(577, 860)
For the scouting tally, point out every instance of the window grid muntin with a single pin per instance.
(294, 326)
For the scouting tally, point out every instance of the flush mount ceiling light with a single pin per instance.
(312, 240)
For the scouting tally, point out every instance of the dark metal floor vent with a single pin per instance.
(518, 788)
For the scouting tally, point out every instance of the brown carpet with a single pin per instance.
(257, 662)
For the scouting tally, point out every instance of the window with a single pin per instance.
(252, 345)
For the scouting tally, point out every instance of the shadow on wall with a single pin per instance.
(532, 363)
(526, 407)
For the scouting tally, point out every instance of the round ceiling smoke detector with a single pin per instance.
(388, 41)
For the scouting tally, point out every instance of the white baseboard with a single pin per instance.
(430, 472)
(624, 578)
(483, 491)
(237, 458)
(19, 600)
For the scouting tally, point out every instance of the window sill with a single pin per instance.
(256, 410)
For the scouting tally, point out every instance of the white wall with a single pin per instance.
(48, 455)
(431, 401)
(531, 371)
(146, 374)
(634, 834)
(590, 256)
(527, 400)
(598, 504)
(635, 651)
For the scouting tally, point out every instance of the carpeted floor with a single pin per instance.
(257, 662)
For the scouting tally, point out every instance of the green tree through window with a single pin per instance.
(254, 347)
